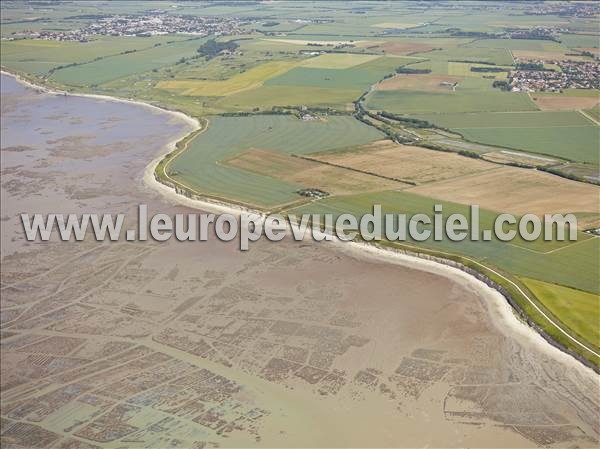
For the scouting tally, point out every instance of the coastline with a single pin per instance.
(508, 312)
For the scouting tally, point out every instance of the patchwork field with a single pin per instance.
(518, 191)
(309, 174)
(360, 76)
(271, 341)
(267, 96)
(415, 164)
(199, 167)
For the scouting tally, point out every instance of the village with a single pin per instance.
(142, 26)
(533, 76)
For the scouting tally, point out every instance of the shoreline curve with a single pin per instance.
(508, 311)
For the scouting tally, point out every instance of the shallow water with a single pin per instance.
(286, 345)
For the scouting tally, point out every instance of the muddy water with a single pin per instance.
(287, 345)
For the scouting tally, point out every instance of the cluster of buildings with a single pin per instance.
(539, 32)
(572, 75)
(574, 9)
(144, 25)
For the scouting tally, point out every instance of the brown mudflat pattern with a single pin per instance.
(289, 344)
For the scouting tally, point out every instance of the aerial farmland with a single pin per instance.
(291, 108)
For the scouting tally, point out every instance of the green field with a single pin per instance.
(519, 44)
(198, 166)
(568, 135)
(411, 102)
(579, 311)
(120, 66)
(39, 56)
(594, 112)
(359, 77)
(497, 56)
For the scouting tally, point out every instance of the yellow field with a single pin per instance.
(519, 191)
(338, 61)
(405, 162)
(309, 174)
(249, 79)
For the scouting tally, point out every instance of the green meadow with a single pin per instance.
(568, 135)
(574, 308)
(40, 56)
(413, 102)
(114, 67)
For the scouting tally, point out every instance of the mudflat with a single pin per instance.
(195, 344)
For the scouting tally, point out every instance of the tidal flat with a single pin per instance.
(290, 344)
